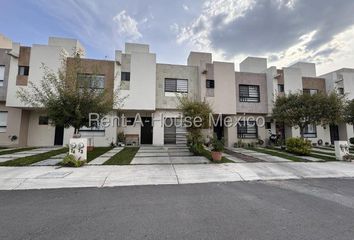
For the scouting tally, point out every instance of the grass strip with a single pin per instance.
(124, 157)
(25, 161)
(278, 153)
(16, 150)
(321, 152)
(325, 158)
(96, 152)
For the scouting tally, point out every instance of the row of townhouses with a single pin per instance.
(151, 90)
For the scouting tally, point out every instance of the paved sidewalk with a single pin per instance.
(109, 176)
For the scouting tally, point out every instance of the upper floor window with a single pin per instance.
(280, 88)
(3, 121)
(125, 76)
(43, 120)
(341, 90)
(23, 70)
(247, 129)
(210, 83)
(310, 131)
(91, 80)
(130, 121)
(176, 85)
(310, 91)
(2, 75)
(249, 93)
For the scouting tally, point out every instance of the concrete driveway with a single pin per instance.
(173, 154)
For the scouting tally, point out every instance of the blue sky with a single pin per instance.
(284, 31)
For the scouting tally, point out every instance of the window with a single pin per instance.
(92, 132)
(268, 125)
(130, 121)
(310, 91)
(176, 85)
(43, 120)
(310, 131)
(3, 121)
(210, 84)
(247, 129)
(23, 70)
(341, 91)
(2, 75)
(280, 88)
(91, 80)
(125, 76)
(249, 93)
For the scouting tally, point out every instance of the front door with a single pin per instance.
(146, 130)
(334, 132)
(59, 135)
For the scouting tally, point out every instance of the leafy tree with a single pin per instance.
(300, 110)
(349, 112)
(195, 110)
(67, 97)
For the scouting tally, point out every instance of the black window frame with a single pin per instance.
(281, 88)
(308, 90)
(210, 83)
(168, 87)
(125, 76)
(90, 77)
(247, 98)
(310, 134)
(243, 130)
(43, 120)
(25, 72)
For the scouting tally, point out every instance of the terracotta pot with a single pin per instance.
(216, 156)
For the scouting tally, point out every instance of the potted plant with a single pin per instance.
(218, 148)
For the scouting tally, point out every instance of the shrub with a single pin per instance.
(351, 140)
(196, 149)
(71, 161)
(218, 145)
(298, 146)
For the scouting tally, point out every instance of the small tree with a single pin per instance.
(194, 109)
(300, 110)
(68, 98)
(349, 112)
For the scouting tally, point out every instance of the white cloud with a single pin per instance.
(185, 7)
(127, 26)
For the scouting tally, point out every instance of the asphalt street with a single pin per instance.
(296, 209)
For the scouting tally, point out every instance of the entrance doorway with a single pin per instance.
(334, 132)
(59, 135)
(146, 130)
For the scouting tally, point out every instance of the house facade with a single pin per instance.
(152, 90)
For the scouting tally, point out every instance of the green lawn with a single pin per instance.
(124, 157)
(278, 153)
(96, 152)
(324, 158)
(325, 153)
(25, 161)
(16, 150)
